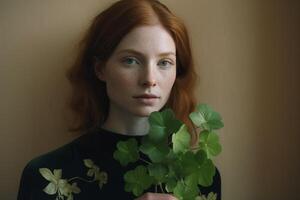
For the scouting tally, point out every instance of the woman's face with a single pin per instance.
(144, 62)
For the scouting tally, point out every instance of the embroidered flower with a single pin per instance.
(210, 196)
(58, 185)
(63, 187)
(94, 170)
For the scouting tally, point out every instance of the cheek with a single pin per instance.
(169, 80)
(121, 81)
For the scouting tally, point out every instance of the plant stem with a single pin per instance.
(161, 188)
(145, 161)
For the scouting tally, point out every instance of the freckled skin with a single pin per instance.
(129, 74)
(140, 74)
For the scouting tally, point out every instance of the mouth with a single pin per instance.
(147, 100)
(147, 96)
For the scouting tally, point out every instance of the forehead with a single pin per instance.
(148, 40)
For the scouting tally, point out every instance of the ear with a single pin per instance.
(99, 70)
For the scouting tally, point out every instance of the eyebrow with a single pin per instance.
(140, 54)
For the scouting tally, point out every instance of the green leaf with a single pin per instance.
(206, 118)
(209, 142)
(127, 151)
(195, 167)
(185, 192)
(158, 171)
(170, 184)
(206, 169)
(156, 153)
(175, 167)
(180, 169)
(172, 124)
(190, 163)
(157, 134)
(181, 140)
(137, 180)
(165, 119)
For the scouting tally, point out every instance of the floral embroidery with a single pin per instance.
(63, 188)
(210, 196)
(95, 171)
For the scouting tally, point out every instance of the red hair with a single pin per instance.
(89, 101)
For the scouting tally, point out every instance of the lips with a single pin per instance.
(146, 96)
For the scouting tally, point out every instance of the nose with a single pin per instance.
(149, 83)
(149, 78)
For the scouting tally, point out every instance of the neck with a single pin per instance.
(126, 124)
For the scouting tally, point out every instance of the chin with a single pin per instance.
(145, 112)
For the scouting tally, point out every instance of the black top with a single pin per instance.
(98, 146)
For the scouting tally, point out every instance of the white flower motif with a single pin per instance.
(94, 170)
(63, 187)
(58, 185)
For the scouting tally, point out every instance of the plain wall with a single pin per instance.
(247, 57)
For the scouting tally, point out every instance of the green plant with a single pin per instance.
(173, 165)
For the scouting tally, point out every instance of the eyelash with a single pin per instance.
(129, 58)
(169, 63)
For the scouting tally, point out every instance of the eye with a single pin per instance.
(165, 63)
(130, 61)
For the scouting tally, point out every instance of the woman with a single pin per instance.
(135, 59)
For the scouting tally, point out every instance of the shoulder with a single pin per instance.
(65, 157)
(61, 156)
(53, 158)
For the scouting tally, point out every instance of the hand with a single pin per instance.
(156, 196)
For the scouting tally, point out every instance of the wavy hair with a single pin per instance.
(89, 103)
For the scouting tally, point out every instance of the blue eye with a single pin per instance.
(165, 63)
(130, 61)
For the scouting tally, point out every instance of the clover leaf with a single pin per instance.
(206, 169)
(181, 140)
(171, 183)
(173, 163)
(206, 118)
(166, 121)
(197, 167)
(156, 152)
(158, 171)
(137, 180)
(185, 192)
(127, 151)
(209, 142)
(189, 162)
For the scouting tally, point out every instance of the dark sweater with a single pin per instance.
(98, 146)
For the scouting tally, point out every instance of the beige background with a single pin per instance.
(247, 55)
